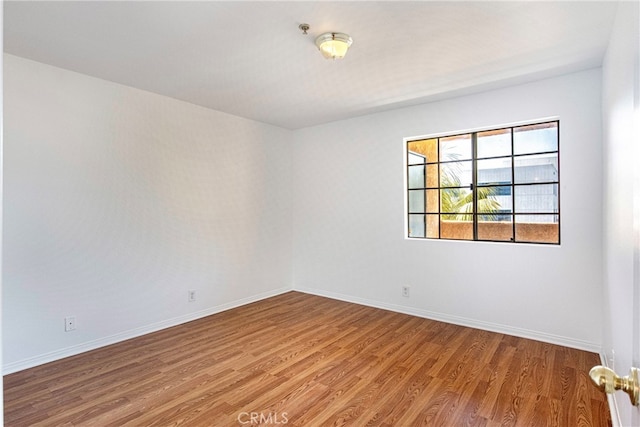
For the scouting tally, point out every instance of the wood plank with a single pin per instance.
(312, 361)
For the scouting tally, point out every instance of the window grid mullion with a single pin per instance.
(513, 188)
(474, 183)
(426, 211)
(439, 194)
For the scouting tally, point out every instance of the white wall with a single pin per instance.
(348, 219)
(620, 103)
(1, 197)
(118, 201)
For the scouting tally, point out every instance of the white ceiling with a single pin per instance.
(251, 60)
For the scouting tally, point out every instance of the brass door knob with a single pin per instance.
(608, 381)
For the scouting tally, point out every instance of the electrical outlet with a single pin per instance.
(405, 291)
(192, 295)
(70, 323)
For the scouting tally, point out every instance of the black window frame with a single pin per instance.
(512, 186)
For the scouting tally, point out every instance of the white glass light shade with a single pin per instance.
(333, 45)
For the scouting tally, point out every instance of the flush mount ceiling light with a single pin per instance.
(333, 45)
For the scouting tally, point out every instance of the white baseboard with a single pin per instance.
(92, 345)
(613, 409)
(10, 368)
(462, 321)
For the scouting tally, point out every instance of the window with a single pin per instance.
(495, 185)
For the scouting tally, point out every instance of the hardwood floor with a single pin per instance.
(299, 359)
